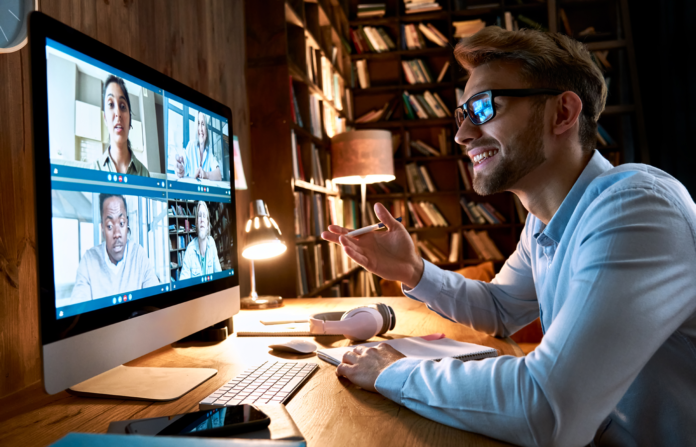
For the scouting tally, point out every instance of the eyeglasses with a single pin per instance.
(480, 108)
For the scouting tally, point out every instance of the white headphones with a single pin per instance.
(361, 323)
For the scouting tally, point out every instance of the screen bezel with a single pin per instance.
(53, 329)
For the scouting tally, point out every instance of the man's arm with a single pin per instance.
(499, 308)
(631, 288)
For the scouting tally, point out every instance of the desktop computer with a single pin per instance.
(135, 211)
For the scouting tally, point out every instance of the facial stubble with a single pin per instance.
(524, 152)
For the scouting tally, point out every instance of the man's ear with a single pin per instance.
(568, 107)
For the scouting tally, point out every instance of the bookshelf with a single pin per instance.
(388, 79)
(298, 77)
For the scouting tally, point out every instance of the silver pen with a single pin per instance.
(368, 229)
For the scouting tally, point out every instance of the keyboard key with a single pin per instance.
(208, 400)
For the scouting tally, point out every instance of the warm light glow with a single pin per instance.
(248, 225)
(264, 250)
(357, 180)
(256, 222)
(267, 222)
(275, 225)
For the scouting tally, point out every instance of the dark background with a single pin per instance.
(664, 35)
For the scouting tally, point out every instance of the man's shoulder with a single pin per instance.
(640, 179)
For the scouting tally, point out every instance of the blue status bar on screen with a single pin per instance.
(126, 297)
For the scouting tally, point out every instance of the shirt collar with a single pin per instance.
(106, 159)
(196, 247)
(554, 230)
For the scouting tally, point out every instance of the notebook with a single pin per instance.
(419, 348)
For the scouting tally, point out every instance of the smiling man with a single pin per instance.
(116, 265)
(606, 260)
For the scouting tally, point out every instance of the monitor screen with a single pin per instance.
(141, 191)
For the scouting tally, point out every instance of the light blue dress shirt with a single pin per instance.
(196, 264)
(613, 278)
(193, 158)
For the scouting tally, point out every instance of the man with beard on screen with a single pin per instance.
(201, 257)
(606, 260)
(116, 265)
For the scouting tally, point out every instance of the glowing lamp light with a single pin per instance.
(261, 242)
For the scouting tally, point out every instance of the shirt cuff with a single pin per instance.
(391, 381)
(429, 285)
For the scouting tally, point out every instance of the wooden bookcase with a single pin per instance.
(622, 118)
(278, 33)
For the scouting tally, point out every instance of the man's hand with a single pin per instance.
(179, 166)
(389, 254)
(363, 365)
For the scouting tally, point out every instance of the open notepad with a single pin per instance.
(419, 348)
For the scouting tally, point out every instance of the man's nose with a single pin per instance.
(467, 133)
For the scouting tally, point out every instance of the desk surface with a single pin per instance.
(328, 411)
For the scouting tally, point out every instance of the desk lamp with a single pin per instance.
(262, 241)
(360, 157)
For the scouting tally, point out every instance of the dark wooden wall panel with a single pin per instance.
(199, 43)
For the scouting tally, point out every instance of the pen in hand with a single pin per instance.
(369, 229)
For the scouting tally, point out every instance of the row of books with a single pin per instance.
(181, 243)
(309, 215)
(178, 210)
(383, 114)
(466, 171)
(425, 214)
(434, 254)
(483, 245)
(366, 10)
(333, 123)
(425, 106)
(369, 39)
(418, 6)
(413, 36)
(444, 141)
(318, 264)
(298, 171)
(481, 213)
(418, 179)
(417, 72)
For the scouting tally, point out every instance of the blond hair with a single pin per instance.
(547, 60)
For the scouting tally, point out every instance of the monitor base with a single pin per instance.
(143, 383)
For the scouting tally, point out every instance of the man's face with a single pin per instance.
(202, 222)
(115, 228)
(507, 148)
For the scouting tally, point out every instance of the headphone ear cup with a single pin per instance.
(361, 323)
(388, 317)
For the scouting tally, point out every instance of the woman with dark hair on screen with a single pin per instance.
(117, 115)
(198, 160)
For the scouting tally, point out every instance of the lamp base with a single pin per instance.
(261, 302)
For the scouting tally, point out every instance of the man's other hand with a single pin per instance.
(363, 365)
(179, 166)
(389, 254)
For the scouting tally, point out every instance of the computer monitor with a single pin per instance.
(135, 212)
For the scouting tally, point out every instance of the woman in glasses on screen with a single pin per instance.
(201, 256)
(118, 117)
(198, 160)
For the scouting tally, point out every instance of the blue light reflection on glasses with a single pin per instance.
(483, 108)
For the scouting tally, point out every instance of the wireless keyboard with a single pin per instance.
(271, 382)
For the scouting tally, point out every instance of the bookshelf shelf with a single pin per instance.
(292, 17)
(439, 51)
(401, 87)
(316, 188)
(302, 132)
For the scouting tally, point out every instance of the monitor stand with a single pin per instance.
(143, 383)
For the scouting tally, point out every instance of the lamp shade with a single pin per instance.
(362, 156)
(262, 236)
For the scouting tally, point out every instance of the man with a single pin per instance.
(201, 256)
(606, 259)
(116, 265)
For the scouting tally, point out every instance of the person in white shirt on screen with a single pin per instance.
(605, 260)
(117, 265)
(201, 257)
(198, 160)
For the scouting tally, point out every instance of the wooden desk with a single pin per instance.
(329, 411)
